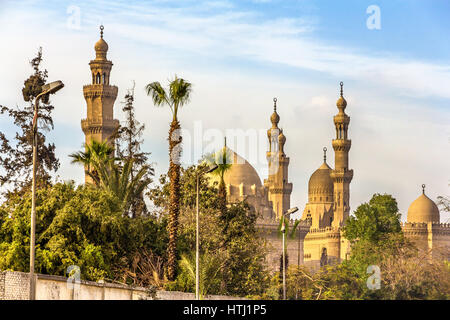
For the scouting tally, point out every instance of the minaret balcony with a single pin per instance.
(341, 118)
(99, 90)
(341, 144)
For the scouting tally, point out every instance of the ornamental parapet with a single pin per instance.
(341, 118)
(97, 126)
(341, 175)
(341, 144)
(99, 90)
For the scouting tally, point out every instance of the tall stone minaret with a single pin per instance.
(279, 189)
(99, 124)
(341, 175)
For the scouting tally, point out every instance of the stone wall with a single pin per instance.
(15, 286)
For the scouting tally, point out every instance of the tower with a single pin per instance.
(341, 175)
(279, 189)
(99, 124)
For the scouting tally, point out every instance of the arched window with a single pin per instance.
(324, 257)
(104, 78)
(98, 78)
(93, 78)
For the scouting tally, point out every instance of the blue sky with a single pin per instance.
(239, 55)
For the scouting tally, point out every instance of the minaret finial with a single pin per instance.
(342, 88)
(423, 188)
(275, 104)
(324, 154)
(101, 31)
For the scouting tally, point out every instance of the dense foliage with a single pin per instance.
(81, 226)
(233, 258)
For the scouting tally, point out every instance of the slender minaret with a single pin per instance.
(341, 175)
(279, 190)
(99, 124)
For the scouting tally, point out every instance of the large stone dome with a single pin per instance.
(423, 210)
(241, 171)
(320, 186)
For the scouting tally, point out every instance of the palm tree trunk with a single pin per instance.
(174, 197)
(222, 193)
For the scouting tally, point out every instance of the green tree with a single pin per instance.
(374, 220)
(95, 154)
(81, 226)
(222, 159)
(16, 158)
(244, 256)
(120, 181)
(128, 147)
(175, 97)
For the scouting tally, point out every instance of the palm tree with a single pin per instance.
(95, 152)
(121, 181)
(222, 159)
(176, 96)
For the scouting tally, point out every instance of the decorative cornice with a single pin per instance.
(99, 90)
(341, 144)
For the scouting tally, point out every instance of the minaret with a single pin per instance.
(279, 190)
(99, 124)
(341, 175)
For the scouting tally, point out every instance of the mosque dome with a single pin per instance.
(101, 45)
(320, 186)
(241, 171)
(423, 210)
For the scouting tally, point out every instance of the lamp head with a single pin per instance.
(291, 211)
(52, 87)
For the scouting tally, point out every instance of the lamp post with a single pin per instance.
(208, 169)
(283, 230)
(49, 88)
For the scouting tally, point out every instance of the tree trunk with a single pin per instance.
(174, 197)
(222, 192)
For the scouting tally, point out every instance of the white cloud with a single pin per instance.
(399, 141)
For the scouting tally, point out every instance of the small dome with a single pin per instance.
(423, 210)
(341, 103)
(281, 138)
(101, 45)
(241, 171)
(320, 186)
(274, 118)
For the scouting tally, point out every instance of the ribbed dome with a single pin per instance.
(101, 45)
(341, 103)
(320, 186)
(274, 118)
(423, 210)
(241, 171)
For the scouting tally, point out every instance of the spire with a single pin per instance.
(274, 118)
(423, 189)
(101, 47)
(342, 88)
(325, 154)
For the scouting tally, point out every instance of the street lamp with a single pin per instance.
(208, 169)
(283, 230)
(49, 88)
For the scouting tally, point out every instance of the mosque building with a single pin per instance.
(319, 239)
